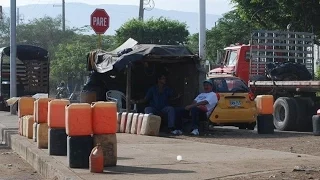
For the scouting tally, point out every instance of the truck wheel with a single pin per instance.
(304, 116)
(285, 114)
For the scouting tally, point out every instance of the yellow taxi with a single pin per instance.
(236, 105)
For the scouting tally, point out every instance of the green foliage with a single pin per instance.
(153, 31)
(277, 14)
(67, 50)
(230, 29)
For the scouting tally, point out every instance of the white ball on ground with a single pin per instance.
(179, 158)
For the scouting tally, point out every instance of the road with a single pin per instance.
(13, 167)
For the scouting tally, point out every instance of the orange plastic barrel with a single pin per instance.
(96, 158)
(42, 110)
(78, 119)
(25, 106)
(56, 113)
(104, 118)
(264, 104)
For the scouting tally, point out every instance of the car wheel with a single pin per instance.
(285, 114)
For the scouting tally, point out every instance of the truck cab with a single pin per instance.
(235, 62)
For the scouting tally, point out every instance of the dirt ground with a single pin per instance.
(294, 142)
(13, 167)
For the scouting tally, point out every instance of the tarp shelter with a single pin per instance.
(137, 61)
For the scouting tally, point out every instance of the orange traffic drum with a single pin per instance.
(25, 106)
(104, 118)
(78, 119)
(56, 113)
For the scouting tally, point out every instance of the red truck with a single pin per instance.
(295, 100)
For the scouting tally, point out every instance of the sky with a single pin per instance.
(213, 6)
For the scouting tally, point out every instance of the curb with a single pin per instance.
(39, 159)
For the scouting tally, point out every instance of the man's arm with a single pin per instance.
(145, 99)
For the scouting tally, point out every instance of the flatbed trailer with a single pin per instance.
(295, 101)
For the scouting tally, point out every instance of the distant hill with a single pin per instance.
(78, 15)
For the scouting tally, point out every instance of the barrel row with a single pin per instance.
(140, 124)
(70, 130)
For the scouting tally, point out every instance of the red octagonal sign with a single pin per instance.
(99, 21)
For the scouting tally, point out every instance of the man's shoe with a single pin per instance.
(176, 132)
(195, 132)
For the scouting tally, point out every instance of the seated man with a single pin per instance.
(158, 97)
(202, 105)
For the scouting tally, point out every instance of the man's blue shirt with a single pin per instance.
(157, 99)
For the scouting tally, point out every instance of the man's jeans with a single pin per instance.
(196, 115)
(168, 111)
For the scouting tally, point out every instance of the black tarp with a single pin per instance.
(106, 61)
(27, 52)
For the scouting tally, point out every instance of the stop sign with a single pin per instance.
(99, 21)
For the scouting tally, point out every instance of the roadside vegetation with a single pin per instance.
(68, 49)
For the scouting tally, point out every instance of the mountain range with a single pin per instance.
(78, 15)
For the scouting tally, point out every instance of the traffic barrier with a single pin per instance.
(140, 119)
(134, 124)
(264, 104)
(41, 114)
(56, 113)
(29, 127)
(123, 122)
(104, 118)
(78, 151)
(34, 133)
(42, 135)
(108, 143)
(57, 141)
(78, 119)
(150, 125)
(316, 124)
(119, 115)
(25, 106)
(20, 128)
(129, 123)
(265, 124)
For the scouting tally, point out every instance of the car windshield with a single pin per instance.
(229, 85)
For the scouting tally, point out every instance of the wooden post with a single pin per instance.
(128, 95)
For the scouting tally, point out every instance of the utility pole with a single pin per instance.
(63, 15)
(18, 16)
(141, 10)
(202, 29)
(13, 49)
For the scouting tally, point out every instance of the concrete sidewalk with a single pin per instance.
(144, 157)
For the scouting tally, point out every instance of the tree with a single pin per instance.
(153, 31)
(277, 14)
(43, 32)
(230, 29)
(4, 31)
(69, 59)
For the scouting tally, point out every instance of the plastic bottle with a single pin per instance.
(96, 163)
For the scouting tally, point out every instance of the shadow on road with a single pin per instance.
(243, 134)
(143, 170)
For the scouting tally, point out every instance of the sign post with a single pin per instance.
(100, 21)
